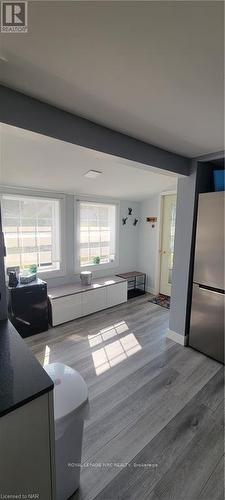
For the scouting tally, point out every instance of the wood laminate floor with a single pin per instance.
(156, 408)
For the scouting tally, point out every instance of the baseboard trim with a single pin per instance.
(151, 290)
(176, 337)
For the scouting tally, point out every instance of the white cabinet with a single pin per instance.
(81, 303)
(26, 436)
(66, 308)
(93, 300)
(116, 294)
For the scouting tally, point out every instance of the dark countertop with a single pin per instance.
(22, 378)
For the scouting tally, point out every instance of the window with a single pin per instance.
(31, 228)
(97, 233)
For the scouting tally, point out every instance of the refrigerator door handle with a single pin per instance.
(217, 292)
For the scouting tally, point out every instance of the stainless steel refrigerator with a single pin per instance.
(207, 312)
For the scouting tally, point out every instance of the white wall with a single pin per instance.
(128, 237)
(148, 241)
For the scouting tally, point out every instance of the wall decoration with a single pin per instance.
(134, 221)
(152, 220)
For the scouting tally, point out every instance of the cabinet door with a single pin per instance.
(66, 308)
(25, 458)
(116, 294)
(93, 300)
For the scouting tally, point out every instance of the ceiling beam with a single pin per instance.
(25, 112)
(218, 155)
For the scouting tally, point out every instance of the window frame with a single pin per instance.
(95, 267)
(50, 273)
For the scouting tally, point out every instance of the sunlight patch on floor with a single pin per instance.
(107, 333)
(114, 353)
(46, 355)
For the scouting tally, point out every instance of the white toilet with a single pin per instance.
(70, 410)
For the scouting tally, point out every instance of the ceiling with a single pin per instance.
(32, 160)
(153, 70)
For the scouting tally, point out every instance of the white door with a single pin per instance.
(167, 242)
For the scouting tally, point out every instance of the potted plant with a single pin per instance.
(96, 260)
(33, 270)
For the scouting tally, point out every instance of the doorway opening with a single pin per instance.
(168, 221)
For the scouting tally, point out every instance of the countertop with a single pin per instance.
(72, 288)
(22, 378)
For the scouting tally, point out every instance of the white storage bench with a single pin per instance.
(68, 302)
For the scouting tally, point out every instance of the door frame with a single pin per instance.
(158, 255)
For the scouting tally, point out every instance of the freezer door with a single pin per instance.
(209, 252)
(207, 322)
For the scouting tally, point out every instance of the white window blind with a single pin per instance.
(97, 227)
(31, 229)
